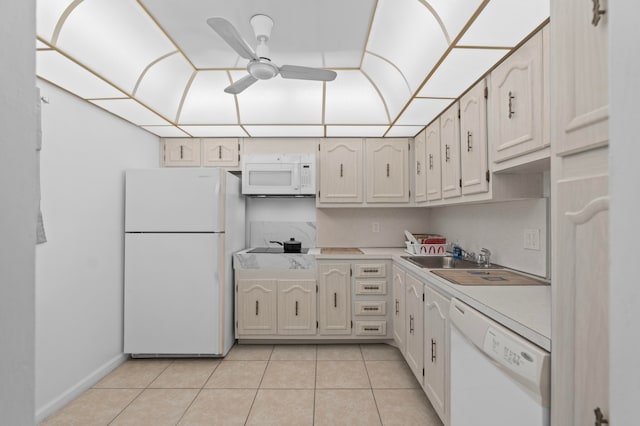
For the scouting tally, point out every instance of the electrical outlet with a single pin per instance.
(532, 239)
(375, 227)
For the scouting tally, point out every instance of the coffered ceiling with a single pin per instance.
(157, 64)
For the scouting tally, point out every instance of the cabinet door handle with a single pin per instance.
(446, 153)
(469, 141)
(296, 308)
(335, 300)
(511, 98)
(341, 174)
(433, 350)
(600, 419)
(220, 152)
(410, 324)
(430, 161)
(387, 169)
(418, 168)
(597, 13)
(257, 307)
(181, 152)
(397, 307)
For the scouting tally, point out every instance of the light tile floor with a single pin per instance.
(259, 385)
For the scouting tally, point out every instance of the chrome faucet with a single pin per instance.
(484, 257)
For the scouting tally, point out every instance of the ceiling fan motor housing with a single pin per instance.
(262, 69)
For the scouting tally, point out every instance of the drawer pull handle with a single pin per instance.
(371, 328)
(371, 270)
(371, 287)
(370, 308)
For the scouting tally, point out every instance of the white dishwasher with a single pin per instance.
(497, 377)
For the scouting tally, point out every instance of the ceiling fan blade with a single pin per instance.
(306, 73)
(241, 84)
(232, 37)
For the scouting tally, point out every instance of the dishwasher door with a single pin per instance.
(497, 377)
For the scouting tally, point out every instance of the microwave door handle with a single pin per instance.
(295, 176)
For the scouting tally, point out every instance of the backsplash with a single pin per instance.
(260, 233)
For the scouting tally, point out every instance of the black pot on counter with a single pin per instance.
(291, 246)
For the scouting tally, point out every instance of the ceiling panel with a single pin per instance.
(166, 131)
(454, 14)
(215, 131)
(352, 99)
(206, 102)
(421, 111)
(54, 67)
(285, 131)
(356, 131)
(47, 16)
(389, 80)
(131, 111)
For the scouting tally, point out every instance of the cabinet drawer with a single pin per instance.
(371, 287)
(371, 308)
(376, 270)
(371, 328)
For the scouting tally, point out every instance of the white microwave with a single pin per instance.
(279, 174)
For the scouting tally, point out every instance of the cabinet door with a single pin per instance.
(580, 369)
(257, 307)
(415, 325)
(473, 150)
(579, 63)
(434, 176)
(516, 98)
(334, 309)
(399, 308)
(450, 151)
(387, 169)
(296, 307)
(436, 350)
(181, 152)
(420, 169)
(220, 152)
(341, 171)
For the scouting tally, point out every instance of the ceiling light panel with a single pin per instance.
(131, 111)
(206, 102)
(116, 39)
(506, 22)
(460, 69)
(454, 14)
(279, 101)
(404, 131)
(55, 68)
(421, 111)
(48, 13)
(215, 131)
(406, 33)
(285, 131)
(163, 85)
(166, 131)
(389, 80)
(356, 131)
(352, 99)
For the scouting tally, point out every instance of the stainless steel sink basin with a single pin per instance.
(446, 262)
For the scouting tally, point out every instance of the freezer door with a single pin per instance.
(174, 200)
(172, 294)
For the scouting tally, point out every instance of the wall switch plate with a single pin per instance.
(375, 227)
(532, 239)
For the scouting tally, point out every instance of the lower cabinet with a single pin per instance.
(436, 350)
(414, 291)
(296, 307)
(256, 311)
(399, 277)
(334, 293)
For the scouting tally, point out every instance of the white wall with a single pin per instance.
(498, 227)
(624, 151)
(17, 211)
(79, 271)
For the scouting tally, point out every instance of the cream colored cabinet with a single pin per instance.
(516, 99)
(181, 152)
(370, 299)
(436, 350)
(414, 352)
(399, 327)
(387, 170)
(334, 304)
(341, 177)
(420, 169)
(220, 152)
(432, 161)
(450, 151)
(580, 67)
(473, 149)
(296, 307)
(256, 310)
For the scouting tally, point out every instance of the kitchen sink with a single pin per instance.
(446, 262)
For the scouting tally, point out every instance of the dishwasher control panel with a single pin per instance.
(512, 354)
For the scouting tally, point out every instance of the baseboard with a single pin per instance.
(75, 391)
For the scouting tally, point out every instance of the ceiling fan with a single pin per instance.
(260, 66)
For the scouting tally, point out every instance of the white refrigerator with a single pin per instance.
(181, 228)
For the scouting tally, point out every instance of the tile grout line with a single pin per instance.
(373, 394)
(199, 392)
(259, 384)
(315, 385)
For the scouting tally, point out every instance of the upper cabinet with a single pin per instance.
(473, 147)
(420, 168)
(341, 179)
(516, 102)
(181, 152)
(387, 170)
(450, 151)
(434, 176)
(582, 107)
(220, 152)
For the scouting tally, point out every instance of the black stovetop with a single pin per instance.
(275, 250)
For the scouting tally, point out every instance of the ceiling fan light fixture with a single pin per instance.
(262, 69)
